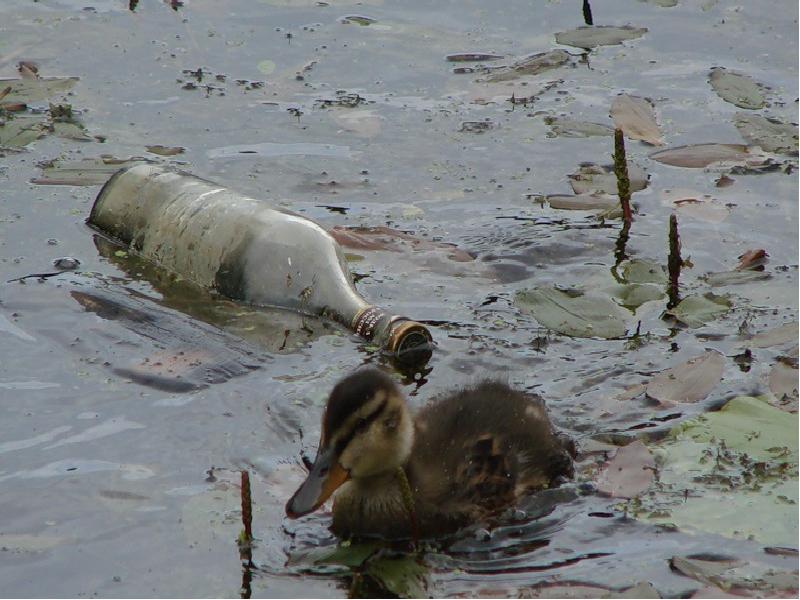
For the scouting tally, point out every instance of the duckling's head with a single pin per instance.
(367, 431)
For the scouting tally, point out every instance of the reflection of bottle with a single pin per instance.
(244, 249)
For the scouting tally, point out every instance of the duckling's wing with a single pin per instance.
(485, 446)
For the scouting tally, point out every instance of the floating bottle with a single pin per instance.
(245, 250)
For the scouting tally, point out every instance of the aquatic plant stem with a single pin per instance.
(674, 262)
(621, 171)
(408, 502)
(246, 537)
(587, 13)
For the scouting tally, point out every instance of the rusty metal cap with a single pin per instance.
(409, 341)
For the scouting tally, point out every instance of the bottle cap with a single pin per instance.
(410, 342)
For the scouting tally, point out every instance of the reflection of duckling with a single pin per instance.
(461, 459)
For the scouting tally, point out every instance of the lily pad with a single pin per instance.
(404, 576)
(633, 295)
(785, 334)
(531, 65)
(86, 171)
(698, 156)
(582, 201)
(591, 36)
(735, 277)
(768, 133)
(266, 67)
(21, 131)
(740, 467)
(576, 313)
(71, 131)
(591, 178)
(696, 311)
(36, 90)
(644, 271)
(566, 127)
(165, 150)
(690, 381)
(629, 473)
(637, 118)
(737, 88)
(783, 385)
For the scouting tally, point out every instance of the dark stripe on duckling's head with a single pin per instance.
(350, 394)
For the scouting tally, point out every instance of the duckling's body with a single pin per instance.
(464, 457)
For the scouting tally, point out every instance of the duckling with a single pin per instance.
(463, 458)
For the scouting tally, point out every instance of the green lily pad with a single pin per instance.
(266, 67)
(644, 271)
(21, 131)
(36, 90)
(769, 134)
(574, 313)
(740, 466)
(696, 311)
(404, 577)
(633, 295)
(591, 36)
(71, 131)
(737, 88)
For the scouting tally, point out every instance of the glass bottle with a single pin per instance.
(245, 250)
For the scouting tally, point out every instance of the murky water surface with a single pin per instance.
(130, 400)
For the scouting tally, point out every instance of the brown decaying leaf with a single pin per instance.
(752, 259)
(629, 473)
(637, 118)
(28, 69)
(690, 381)
(698, 156)
(783, 385)
(775, 337)
(385, 238)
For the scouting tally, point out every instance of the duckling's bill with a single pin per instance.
(324, 478)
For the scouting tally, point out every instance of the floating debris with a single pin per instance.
(637, 118)
(531, 65)
(591, 36)
(770, 134)
(737, 88)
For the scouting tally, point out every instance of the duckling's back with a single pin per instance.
(479, 450)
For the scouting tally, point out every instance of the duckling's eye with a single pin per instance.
(361, 425)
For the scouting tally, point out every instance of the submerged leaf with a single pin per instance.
(530, 65)
(577, 314)
(165, 150)
(737, 88)
(690, 203)
(36, 90)
(566, 127)
(633, 295)
(690, 381)
(779, 336)
(404, 577)
(783, 385)
(696, 311)
(698, 156)
(591, 36)
(582, 201)
(591, 178)
(21, 131)
(629, 473)
(735, 277)
(644, 271)
(86, 171)
(769, 134)
(637, 118)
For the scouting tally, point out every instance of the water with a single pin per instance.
(129, 400)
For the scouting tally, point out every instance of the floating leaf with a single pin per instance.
(591, 36)
(629, 473)
(693, 204)
(21, 131)
(637, 118)
(644, 271)
(86, 171)
(404, 577)
(582, 201)
(735, 277)
(36, 90)
(783, 385)
(566, 127)
(576, 314)
(690, 381)
(596, 179)
(768, 133)
(266, 67)
(71, 131)
(472, 57)
(737, 88)
(752, 259)
(633, 295)
(785, 334)
(696, 311)
(698, 156)
(165, 150)
(362, 20)
(531, 65)
(740, 467)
